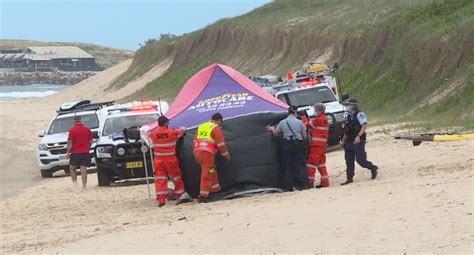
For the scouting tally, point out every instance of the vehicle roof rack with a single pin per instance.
(86, 107)
(286, 85)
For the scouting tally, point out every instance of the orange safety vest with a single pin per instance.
(204, 140)
(319, 130)
(164, 141)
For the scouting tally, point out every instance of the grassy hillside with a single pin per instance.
(405, 60)
(105, 56)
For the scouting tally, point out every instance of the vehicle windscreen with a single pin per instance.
(272, 80)
(118, 124)
(260, 81)
(61, 125)
(308, 96)
(267, 81)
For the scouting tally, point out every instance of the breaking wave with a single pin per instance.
(26, 94)
(10, 92)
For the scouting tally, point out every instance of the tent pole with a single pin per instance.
(146, 168)
(152, 161)
(159, 102)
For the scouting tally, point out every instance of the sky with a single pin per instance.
(120, 24)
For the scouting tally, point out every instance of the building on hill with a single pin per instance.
(49, 58)
(9, 51)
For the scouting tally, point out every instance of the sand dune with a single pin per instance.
(97, 87)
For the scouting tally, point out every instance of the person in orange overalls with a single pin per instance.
(290, 77)
(317, 154)
(208, 140)
(165, 162)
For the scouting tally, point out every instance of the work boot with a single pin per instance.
(347, 182)
(204, 200)
(184, 198)
(373, 170)
(170, 195)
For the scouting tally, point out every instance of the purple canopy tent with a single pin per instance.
(246, 108)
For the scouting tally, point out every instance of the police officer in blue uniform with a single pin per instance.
(293, 151)
(354, 142)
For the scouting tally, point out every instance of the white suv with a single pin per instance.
(305, 96)
(116, 156)
(51, 151)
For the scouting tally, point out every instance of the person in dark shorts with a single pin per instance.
(78, 144)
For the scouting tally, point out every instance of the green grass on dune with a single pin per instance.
(394, 55)
(165, 87)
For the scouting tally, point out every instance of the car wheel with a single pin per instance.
(46, 173)
(103, 177)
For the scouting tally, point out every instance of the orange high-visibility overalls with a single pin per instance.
(165, 162)
(317, 154)
(208, 140)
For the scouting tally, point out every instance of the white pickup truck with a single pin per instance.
(51, 151)
(304, 92)
(117, 157)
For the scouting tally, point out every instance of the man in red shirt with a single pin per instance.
(78, 143)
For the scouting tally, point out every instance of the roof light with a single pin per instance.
(144, 106)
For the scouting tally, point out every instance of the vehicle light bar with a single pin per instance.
(144, 106)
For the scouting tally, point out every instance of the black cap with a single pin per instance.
(352, 101)
(217, 116)
(162, 120)
(292, 109)
(77, 118)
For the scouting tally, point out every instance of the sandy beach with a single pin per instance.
(422, 201)
(22, 119)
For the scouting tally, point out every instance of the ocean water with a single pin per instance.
(29, 91)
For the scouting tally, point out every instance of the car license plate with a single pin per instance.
(62, 157)
(135, 164)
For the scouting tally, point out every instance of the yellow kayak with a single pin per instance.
(452, 137)
(418, 138)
